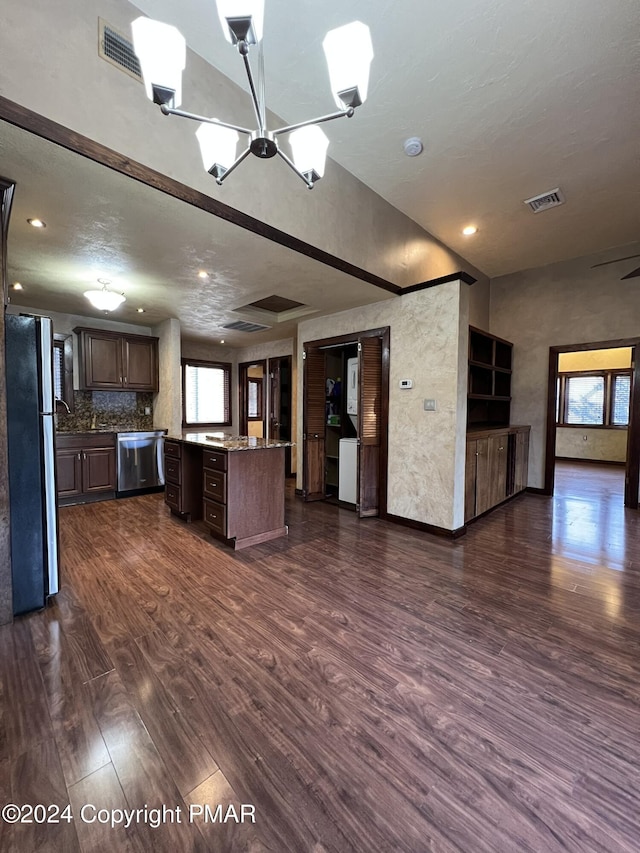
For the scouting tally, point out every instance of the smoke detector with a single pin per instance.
(413, 146)
(552, 198)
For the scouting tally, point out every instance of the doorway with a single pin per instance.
(345, 420)
(280, 403)
(593, 416)
(251, 382)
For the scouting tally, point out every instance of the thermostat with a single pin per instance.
(406, 383)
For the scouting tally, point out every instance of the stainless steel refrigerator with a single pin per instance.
(32, 480)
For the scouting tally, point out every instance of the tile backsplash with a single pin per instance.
(104, 409)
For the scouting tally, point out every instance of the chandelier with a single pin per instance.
(161, 49)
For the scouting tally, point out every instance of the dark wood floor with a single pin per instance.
(365, 686)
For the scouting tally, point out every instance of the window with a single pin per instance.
(63, 373)
(206, 398)
(620, 398)
(584, 400)
(254, 401)
(594, 399)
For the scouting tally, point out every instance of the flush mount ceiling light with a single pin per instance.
(104, 299)
(37, 223)
(161, 50)
(469, 230)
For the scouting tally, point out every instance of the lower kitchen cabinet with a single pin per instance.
(85, 467)
(183, 479)
(496, 467)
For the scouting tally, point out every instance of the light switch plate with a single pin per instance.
(429, 405)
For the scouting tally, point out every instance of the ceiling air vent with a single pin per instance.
(117, 49)
(552, 198)
(243, 326)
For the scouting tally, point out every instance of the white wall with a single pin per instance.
(560, 304)
(426, 449)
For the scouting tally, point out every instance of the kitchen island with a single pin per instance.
(235, 484)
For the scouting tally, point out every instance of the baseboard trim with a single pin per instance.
(426, 528)
(531, 490)
(299, 493)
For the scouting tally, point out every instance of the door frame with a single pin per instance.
(243, 380)
(632, 464)
(385, 334)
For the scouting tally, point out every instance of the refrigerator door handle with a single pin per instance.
(46, 365)
(50, 507)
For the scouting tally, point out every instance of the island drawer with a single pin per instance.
(215, 516)
(215, 460)
(172, 496)
(215, 485)
(172, 448)
(173, 470)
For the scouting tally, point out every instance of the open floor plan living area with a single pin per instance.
(319, 427)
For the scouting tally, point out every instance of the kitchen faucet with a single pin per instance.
(64, 403)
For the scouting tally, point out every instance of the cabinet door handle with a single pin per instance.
(79, 455)
(501, 448)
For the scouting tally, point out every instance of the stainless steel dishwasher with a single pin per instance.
(140, 461)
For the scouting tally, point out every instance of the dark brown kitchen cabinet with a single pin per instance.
(111, 361)
(85, 467)
(496, 467)
(183, 479)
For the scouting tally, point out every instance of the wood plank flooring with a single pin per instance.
(365, 687)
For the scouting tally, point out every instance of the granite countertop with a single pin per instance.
(221, 441)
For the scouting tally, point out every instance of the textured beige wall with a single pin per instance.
(167, 403)
(50, 64)
(561, 304)
(479, 305)
(605, 445)
(426, 449)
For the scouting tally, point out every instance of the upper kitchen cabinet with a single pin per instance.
(112, 361)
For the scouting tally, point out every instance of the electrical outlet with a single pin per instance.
(429, 405)
(147, 410)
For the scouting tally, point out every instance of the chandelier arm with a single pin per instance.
(182, 114)
(254, 96)
(291, 127)
(292, 165)
(234, 165)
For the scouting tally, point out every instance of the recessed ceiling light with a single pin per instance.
(203, 274)
(37, 223)
(17, 286)
(140, 310)
(222, 341)
(469, 230)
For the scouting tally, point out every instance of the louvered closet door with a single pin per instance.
(313, 425)
(369, 427)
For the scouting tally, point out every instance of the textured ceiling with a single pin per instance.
(510, 98)
(151, 246)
